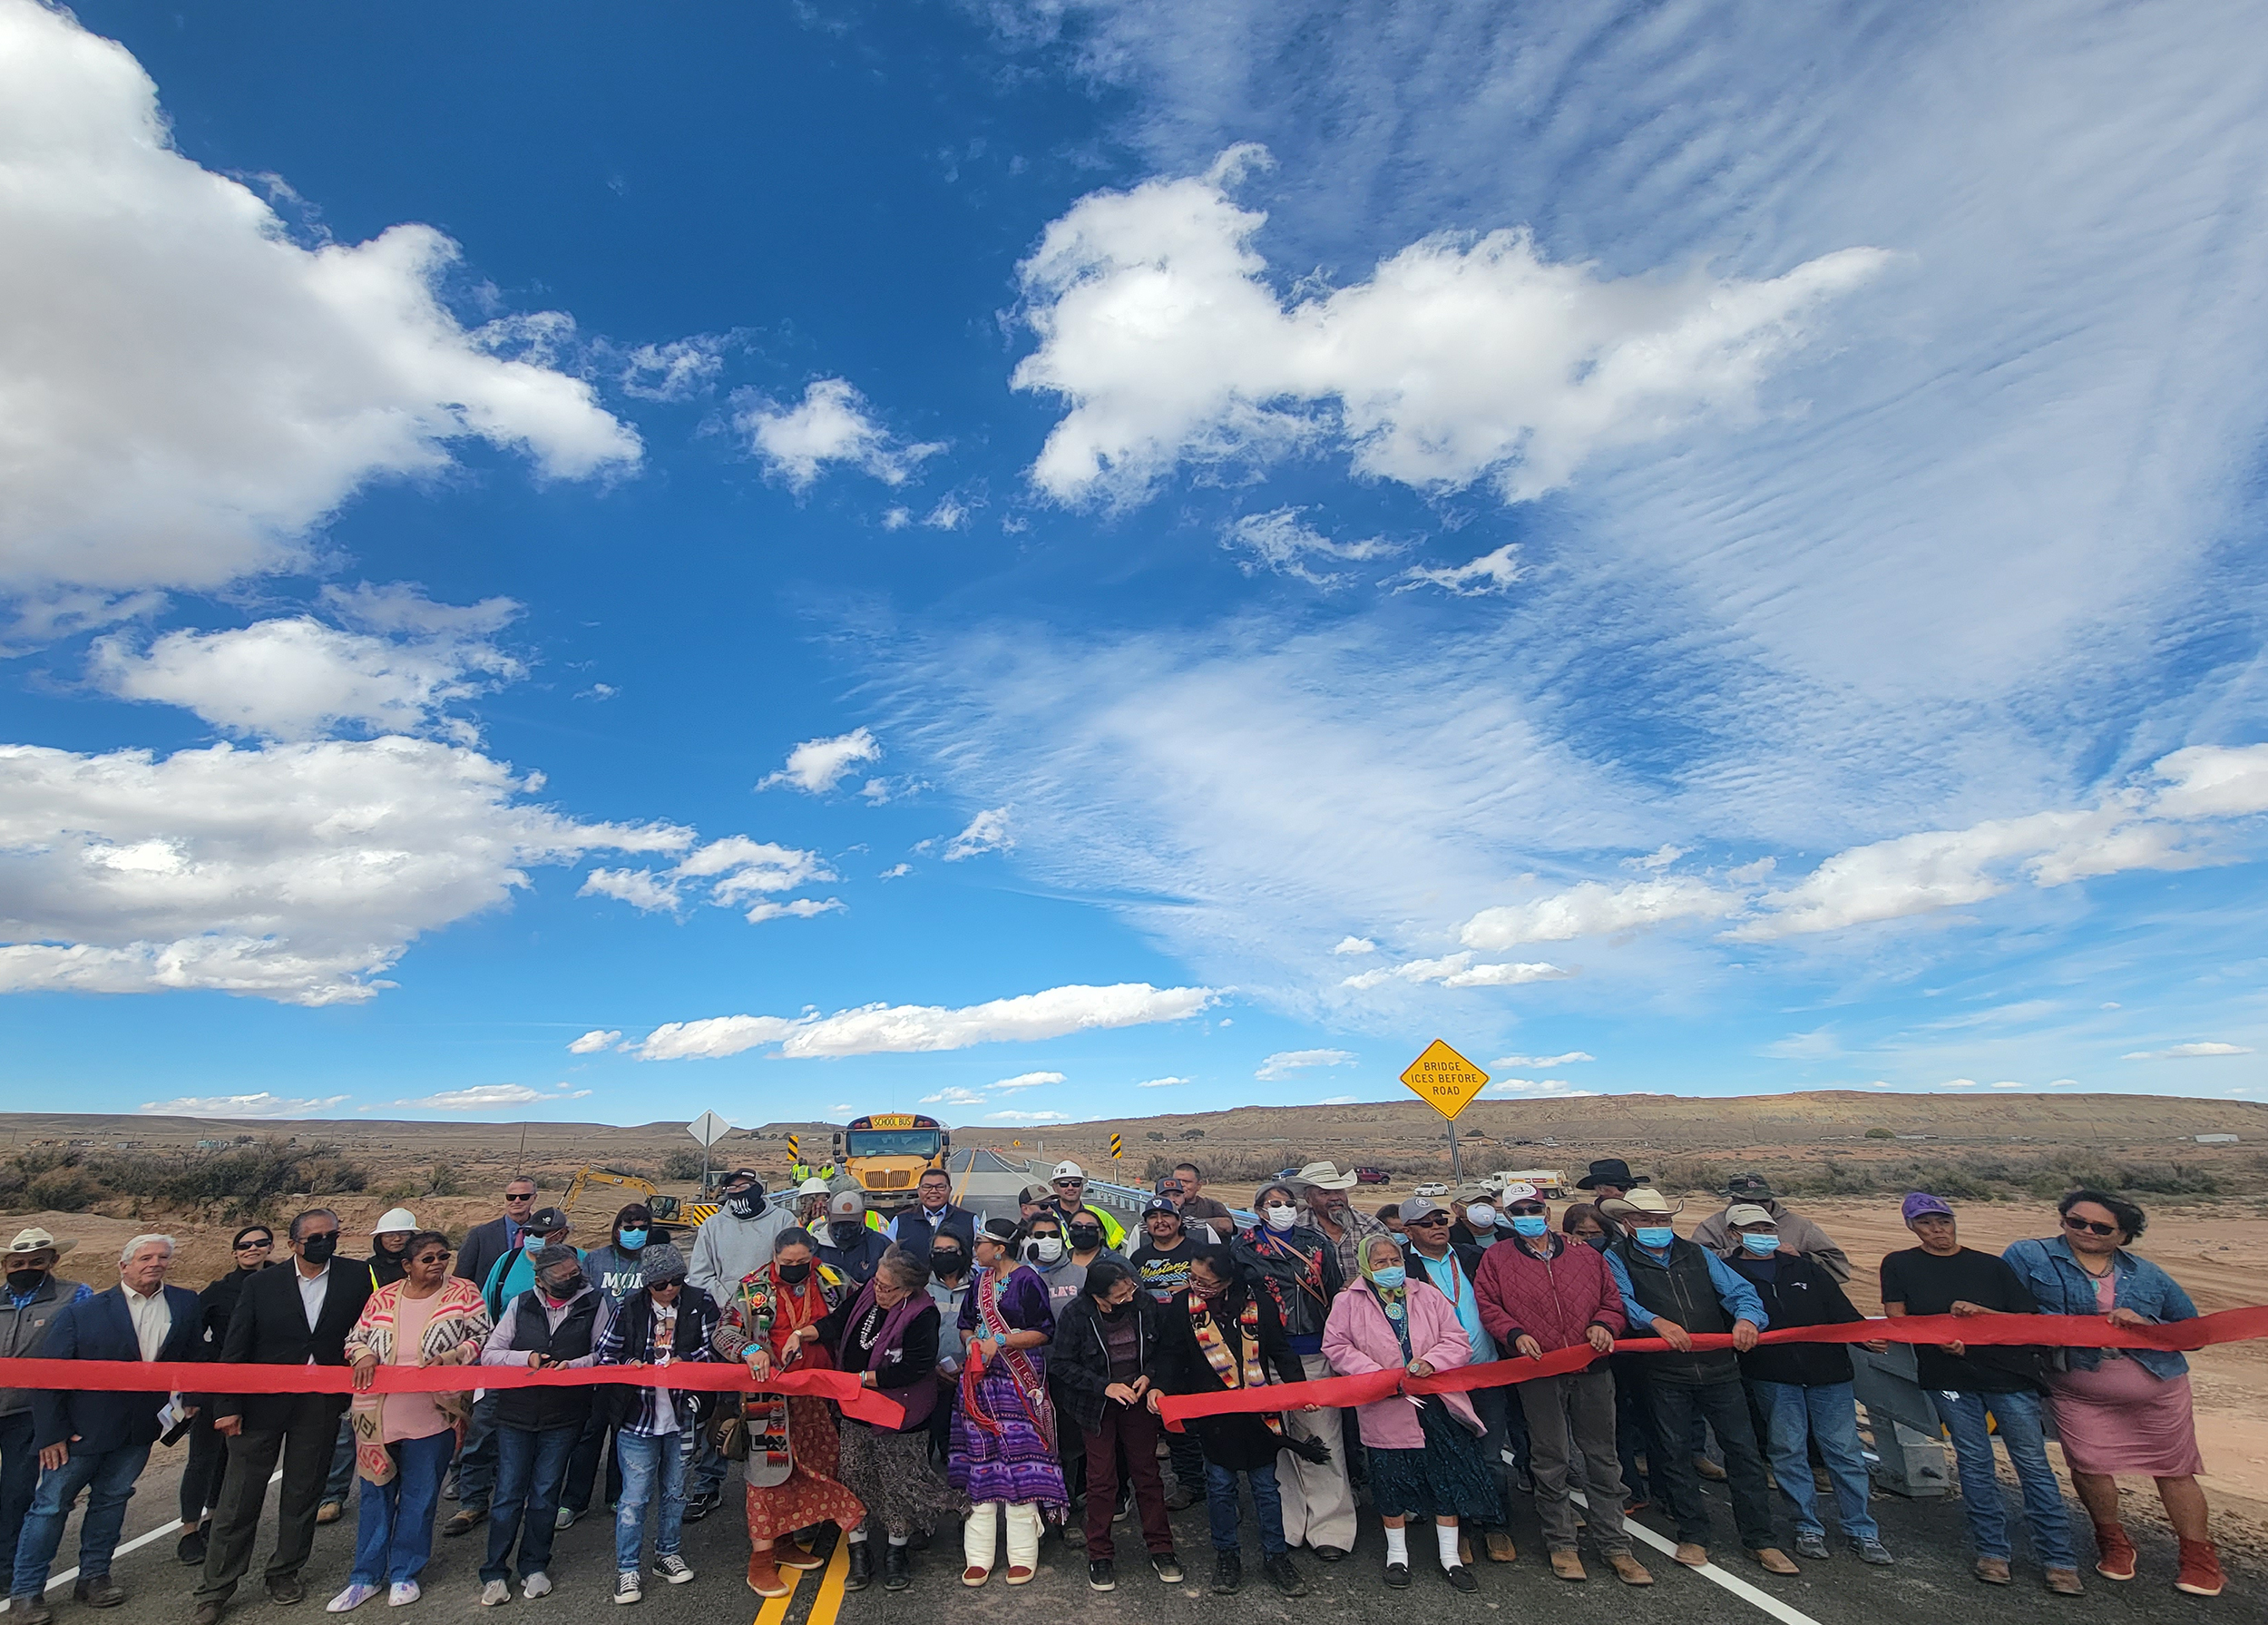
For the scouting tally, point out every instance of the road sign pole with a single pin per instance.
(1447, 1081)
(1456, 1172)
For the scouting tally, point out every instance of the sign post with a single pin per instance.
(1447, 1081)
(709, 1129)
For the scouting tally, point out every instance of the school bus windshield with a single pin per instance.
(891, 1142)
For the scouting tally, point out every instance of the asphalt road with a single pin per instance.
(1929, 1585)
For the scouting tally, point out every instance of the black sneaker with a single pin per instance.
(897, 1567)
(1397, 1576)
(698, 1507)
(1229, 1573)
(1168, 1566)
(861, 1572)
(1461, 1579)
(1103, 1575)
(1287, 1578)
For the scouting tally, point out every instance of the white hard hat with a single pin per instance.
(394, 1221)
(1068, 1170)
(814, 1186)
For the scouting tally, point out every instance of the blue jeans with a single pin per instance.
(531, 1468)
(108, 1478)
(476, 1463)
(19, 1476)
(1797, 1417)
(1220, 1501)
(653, 1467)
(341, 1482)
(393, 1522)
(2018, 1416)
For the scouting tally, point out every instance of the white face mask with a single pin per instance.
(1278, 1216)
(1480, 1217)
(1047, 1248)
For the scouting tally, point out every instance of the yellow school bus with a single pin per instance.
(888, 1152)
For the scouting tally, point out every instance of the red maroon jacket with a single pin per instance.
(1553, 1302)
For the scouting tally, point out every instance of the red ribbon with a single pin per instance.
(2051, 1331)
(137, 1376)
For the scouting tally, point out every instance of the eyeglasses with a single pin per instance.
(2092, 1227)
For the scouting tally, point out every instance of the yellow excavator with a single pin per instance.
(668, 1210)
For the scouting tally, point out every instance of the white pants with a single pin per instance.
(979, 1535)
(1319, 1504)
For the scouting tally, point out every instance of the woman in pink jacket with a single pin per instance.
(1426, 1458)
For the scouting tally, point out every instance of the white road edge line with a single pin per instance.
(1740, 1587)
(136, 1544)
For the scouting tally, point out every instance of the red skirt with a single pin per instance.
(810, 1493)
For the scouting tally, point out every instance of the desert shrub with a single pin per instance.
(1882, 1134)
(1688, 1173)
(401, 1191)
(63, 1190)
(443, 1180)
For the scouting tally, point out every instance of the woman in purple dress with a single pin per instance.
(1003, 1429)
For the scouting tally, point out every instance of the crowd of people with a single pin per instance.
(1028, 1356)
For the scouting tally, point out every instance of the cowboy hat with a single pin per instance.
(1644, 1201)
(1324, 1176)
(1610, 1170)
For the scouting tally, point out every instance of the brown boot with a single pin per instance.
(1567, 1565)
(1993, 1571)
(1692, 1553)
(2064, 1583)
(2201, 1570)
(1774, 1560)
(2117, 1561)
(1501, 1547)
(1628, 1570)
(764, 1577)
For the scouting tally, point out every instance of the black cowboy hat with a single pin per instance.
(1611, 1171)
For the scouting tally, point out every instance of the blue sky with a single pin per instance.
(1063, 559)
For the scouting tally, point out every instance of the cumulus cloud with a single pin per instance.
(1027, 1080)
(724, 874)
(1285, 1063)
(1457, 970)
(1463, 357)
(1570, 1059)
(2212, 781)
(818, 765)
(1281, 542)
(1354, 944)
(829, 425)
(1592, 910)
(295, 872)
(188, 391)
(261, 1105)
(986, 832)
(954, 1096)
(1161, 1083)
(1535, 1088)
(1490, 574)
(799, 908)
(2188, 1051)
(487, 1097)
(905, 1029)
(597, 1039)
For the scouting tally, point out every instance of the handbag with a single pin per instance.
(729, 1433)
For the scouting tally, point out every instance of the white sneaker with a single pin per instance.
(626, 1587)
(352, 1597)
(495, 1593)
(672, 1569)
(404, 1593)
(538, 1584)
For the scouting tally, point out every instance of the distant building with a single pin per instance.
(2216, 1139)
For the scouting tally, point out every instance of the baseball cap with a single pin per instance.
(544, 1220)
(1518, 1190)
(1741, 1213)
(1036, 1193)
(1420, 1206)
(1069, 1170)
(1919, 1202)
(1749, 1187)
(1160, 1204)
(846, 1204)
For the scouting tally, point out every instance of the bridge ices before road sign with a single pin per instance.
(1444, 1080)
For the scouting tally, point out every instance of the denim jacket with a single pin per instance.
(2062, 1287)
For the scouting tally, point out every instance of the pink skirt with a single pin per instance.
(2119, 1418)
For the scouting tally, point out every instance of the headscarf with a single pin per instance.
(1395, 1300)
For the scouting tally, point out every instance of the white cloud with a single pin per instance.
(1161, 1083)
(1817, 1044)
(295, 872)
(728, 871)
(2208, 782)
(1285, 1063)
(1028, 1080)
(986, 832)
(297, 677)
(489, 1097)
(1339, 1100)
(676, 371)
(909, 1029)
(188, 391)
(1958, 1083)
(897, 871)
(1027, 1117)
(897, 519)
(1492, 573)
(1459, 358)
(1457, 970)
(1354, 944)
(1279, 540)
(261, 1105)
(2188, 1051)
(1592, 910)
(830, 425)
(1533, 1088)
(1570, 1059)
(2008, 1086)
(949, 514)
(818, 765)
(954, 1096)
(2065, 1083)
(597, 1039)
(799, 908)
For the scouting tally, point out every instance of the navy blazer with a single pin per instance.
(100, 1328)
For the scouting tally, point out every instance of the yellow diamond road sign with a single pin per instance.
(1444, 1080)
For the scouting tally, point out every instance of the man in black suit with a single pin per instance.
(486, 1243)
(477, 1457)
(100, 1442)
(299, 1315)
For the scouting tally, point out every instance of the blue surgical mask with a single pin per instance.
(1530, 1224)
(1656, 1235)
(533, 1242)
(1392, 1276)
(632, 1240)
(1764, 1246)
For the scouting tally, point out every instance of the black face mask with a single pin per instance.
(26, 1281)
(745, 1204)
(794, 1274)
(319, 1249)
(1086, 1238)
(845, 1231)
(947, 1262)
(1597, 1244)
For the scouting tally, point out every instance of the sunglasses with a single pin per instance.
(511, 1198)
(1071, 1184)
(1434, 1222)
(255, 1247)
(1527, 1211)
(2092, 1227)
(440, 1258)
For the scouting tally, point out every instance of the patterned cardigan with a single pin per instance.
(453, 1336)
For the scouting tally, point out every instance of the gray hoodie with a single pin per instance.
(725, 1249)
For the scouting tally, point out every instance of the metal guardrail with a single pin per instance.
(1910, 1457)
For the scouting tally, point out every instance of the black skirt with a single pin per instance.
(1449, 1478)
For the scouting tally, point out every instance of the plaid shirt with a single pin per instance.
(608, 1351)
(1355, 1227)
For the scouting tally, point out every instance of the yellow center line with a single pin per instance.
(830, 1602)
(775, 1609)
